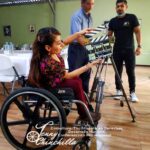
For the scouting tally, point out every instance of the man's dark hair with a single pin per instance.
(121, 1)
(83, 1)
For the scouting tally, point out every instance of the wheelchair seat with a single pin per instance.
(63, 93)
(59, 92)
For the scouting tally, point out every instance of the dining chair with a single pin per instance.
(8, 73)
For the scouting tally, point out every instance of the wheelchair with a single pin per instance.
(39, 119)
(36, 119)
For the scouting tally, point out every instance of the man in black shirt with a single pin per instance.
(123, 26)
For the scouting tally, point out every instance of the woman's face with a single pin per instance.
(57, 45)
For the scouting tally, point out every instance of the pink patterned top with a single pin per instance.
(52, 71)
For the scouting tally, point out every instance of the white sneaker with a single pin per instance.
(118, 95)
(133, 97)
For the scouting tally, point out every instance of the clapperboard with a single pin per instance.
(99, 45)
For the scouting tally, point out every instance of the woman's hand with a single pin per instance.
(81, 38)
(85, 31)
(81, 70)
(95, 62)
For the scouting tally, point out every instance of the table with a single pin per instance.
(21, 61)
(22, 58)
(64, 54)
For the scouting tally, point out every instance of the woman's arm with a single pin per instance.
(81, 70)
(76, 35)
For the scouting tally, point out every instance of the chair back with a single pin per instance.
(5, 62)
(6, 66)
(8, 73)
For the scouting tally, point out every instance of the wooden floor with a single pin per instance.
(115, 130)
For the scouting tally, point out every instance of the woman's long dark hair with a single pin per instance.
(45, 36)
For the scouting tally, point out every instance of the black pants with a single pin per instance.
(127, 56)
(78, 57)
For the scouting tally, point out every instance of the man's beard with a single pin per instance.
(121, 14)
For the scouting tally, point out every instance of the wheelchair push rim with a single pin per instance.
(38, 120)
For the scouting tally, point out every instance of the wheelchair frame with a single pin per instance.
(36, 107)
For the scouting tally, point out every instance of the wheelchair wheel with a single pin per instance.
(33, 118)
(80, 145)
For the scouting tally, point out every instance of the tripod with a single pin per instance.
(98, 85)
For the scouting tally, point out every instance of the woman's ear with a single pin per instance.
(48, 48)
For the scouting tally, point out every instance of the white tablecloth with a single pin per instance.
(21, 62)
(64, 54)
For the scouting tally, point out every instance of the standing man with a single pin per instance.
(77, 54)
(123, 26)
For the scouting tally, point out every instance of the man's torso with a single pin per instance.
(80, 21)
(123, 29)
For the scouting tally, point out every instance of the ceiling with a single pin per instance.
(16, 2)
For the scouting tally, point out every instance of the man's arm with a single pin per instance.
(76, 26)
(110, 33)
(137, 32)
(110, 36)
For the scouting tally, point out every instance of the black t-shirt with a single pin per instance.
(123, 31)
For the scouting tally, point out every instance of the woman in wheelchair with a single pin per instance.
(47, 68)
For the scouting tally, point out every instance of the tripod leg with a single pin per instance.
(99, 95)
(93, 89)
(94, 84)
(89, 104)
(124, 94)
(96, 79)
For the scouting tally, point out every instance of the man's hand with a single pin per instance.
(138, 51)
